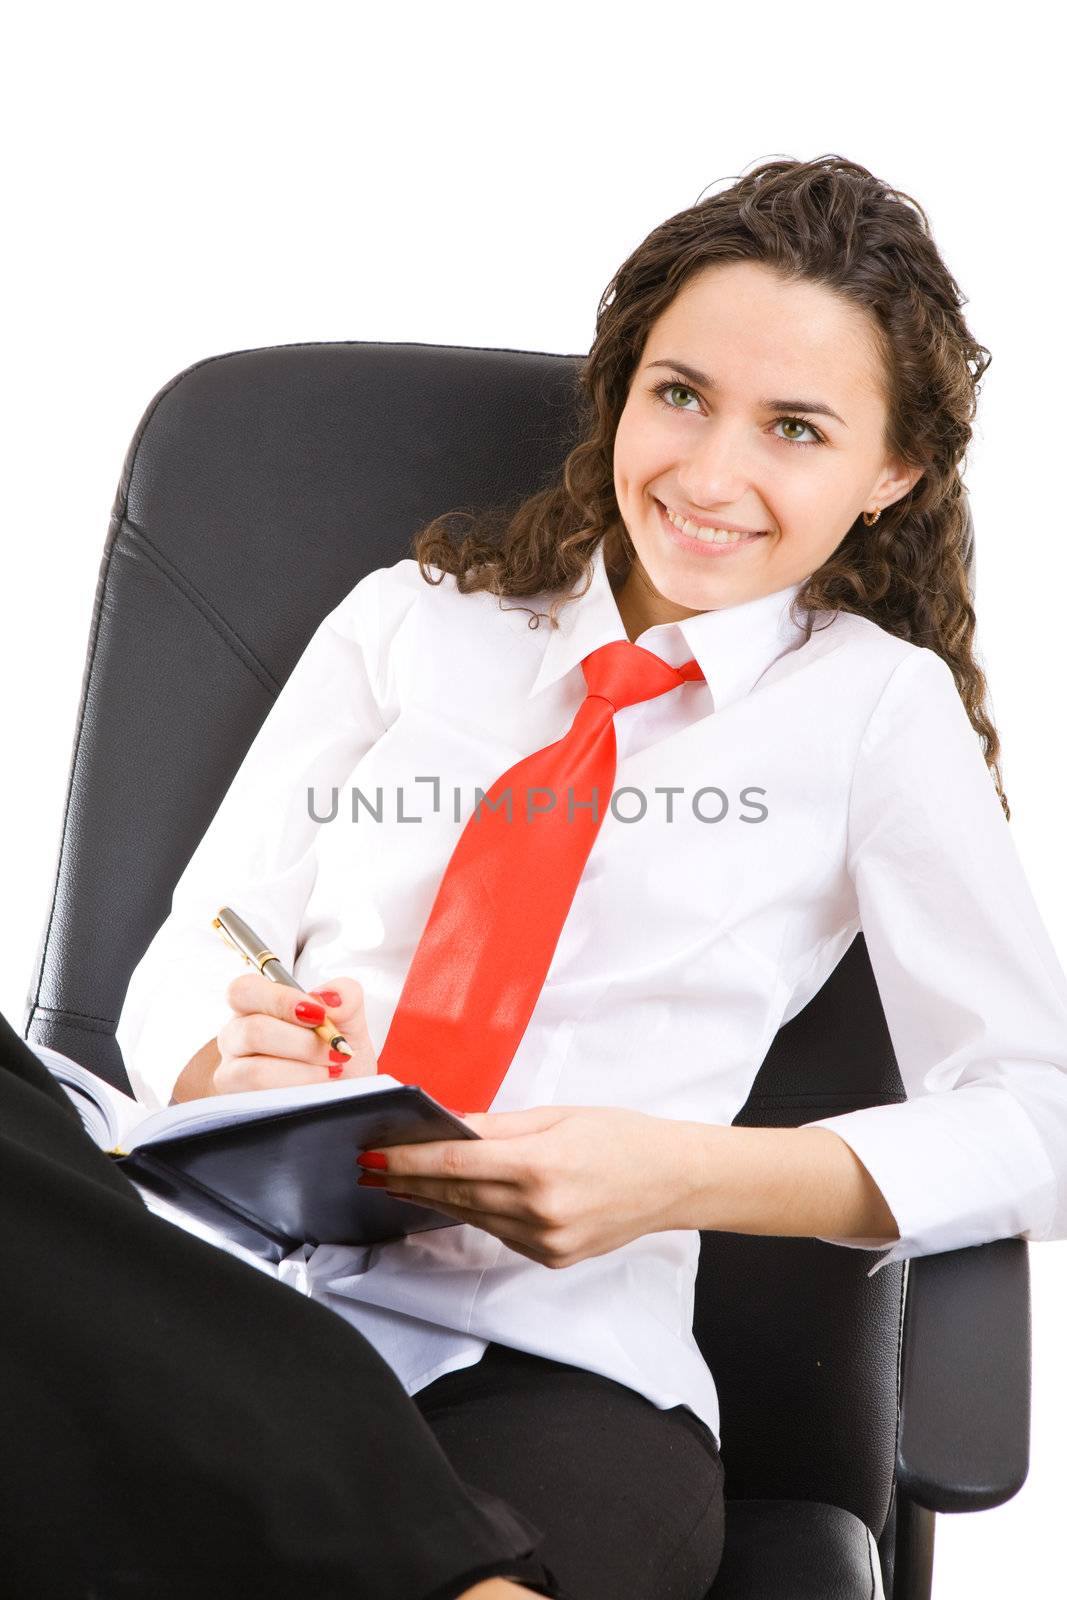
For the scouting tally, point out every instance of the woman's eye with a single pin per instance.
(671, 388)
(798, 422)
(674, 388)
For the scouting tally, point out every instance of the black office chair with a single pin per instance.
(260, 487)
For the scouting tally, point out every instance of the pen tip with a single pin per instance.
(343, 1046)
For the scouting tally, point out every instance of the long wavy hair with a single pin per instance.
(828, 221)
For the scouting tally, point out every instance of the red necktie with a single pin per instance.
(500, 907)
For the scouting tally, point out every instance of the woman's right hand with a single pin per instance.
(266, 1044)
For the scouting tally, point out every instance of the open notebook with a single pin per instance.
(269, 1169)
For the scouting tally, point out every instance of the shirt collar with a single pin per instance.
(734, 645)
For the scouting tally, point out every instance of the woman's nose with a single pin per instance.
(717, 473)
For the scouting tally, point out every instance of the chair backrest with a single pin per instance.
(259, 488)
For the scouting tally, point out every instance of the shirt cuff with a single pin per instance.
(957, 1168)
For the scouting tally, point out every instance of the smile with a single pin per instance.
(707, 540)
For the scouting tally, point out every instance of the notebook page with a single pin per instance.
(106, 1112)
(223, 1110)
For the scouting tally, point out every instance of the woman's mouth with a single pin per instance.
(709, 542)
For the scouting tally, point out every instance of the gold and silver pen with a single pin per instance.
(252, 949)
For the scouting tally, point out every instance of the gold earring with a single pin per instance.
(869, 520)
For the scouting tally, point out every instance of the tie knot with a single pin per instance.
(625, 673)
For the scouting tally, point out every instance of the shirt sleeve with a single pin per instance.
(974, 996)
(258, 852)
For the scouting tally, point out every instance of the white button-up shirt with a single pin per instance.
(808, 788)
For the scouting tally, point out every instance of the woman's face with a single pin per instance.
(747, 366)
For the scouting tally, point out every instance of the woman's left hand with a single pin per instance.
(556, 1183)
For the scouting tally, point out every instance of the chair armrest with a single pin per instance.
(963, 1442)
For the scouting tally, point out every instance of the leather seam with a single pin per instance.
(60, 1014)
(837, 1096)
(896, 1440)
(94, 641)
(235, 644)
(214, 619)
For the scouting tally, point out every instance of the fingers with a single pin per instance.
(251, 992)
(343, 999)
(268, 1042)
(502, 1201)
(340, 998)
(348, 1007)
(526, 1239)
(238, 1073)
(255, 1034)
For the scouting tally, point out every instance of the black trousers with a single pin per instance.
(174, 1422)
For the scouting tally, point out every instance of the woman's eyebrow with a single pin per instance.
(816, 407)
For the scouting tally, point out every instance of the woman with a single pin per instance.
(787, 363)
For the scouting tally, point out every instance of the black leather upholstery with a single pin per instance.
(954, 1454)
(260, 487)
(806, 1551)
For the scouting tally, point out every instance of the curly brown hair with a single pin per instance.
(831, 222)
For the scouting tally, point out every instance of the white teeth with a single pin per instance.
(706, 535)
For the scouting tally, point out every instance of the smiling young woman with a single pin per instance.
(788, 357)
(766, 488)
(726, 492)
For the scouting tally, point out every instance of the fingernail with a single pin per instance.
(329, 997)
(369, 1181)
(339, 1055)
(334, 1070)
(310, 1011)
(372, 1158)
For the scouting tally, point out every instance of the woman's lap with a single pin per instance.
(628, 1497)
(596, 1491)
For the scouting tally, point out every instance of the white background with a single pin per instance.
(186, 180)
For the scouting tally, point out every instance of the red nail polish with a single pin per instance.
(335, 1069)
(337, 1055)
(329, 997)
(310, 1011)
(372, 1158)
(370, 1180)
